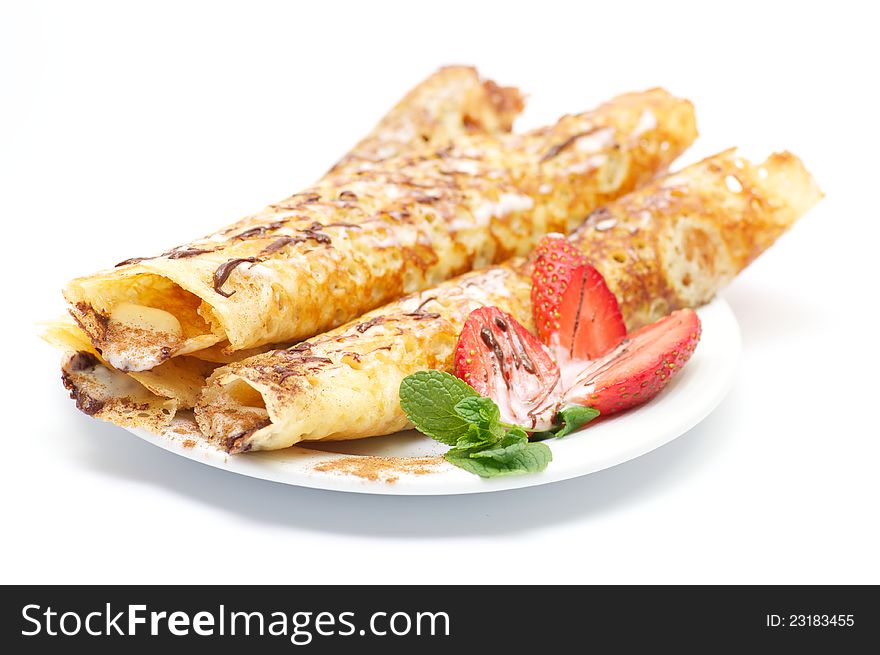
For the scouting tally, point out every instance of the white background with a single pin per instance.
(127, 129)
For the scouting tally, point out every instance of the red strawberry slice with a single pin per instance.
(554, 260)
(590, 323)
(571, 300)
(501, 360)
(637, 369)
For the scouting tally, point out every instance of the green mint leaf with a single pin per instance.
(533, 458)
(479, 411)
(428, 399)
(475, 439)
(574, 417)
(505, 449)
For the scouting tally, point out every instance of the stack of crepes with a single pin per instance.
(438, 189)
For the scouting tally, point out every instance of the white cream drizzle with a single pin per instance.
(467, 166)
(258, 270)
(596, 141)
(647, 122)
(485, 288)
(507, 203)
(589, 164)
(132, 358)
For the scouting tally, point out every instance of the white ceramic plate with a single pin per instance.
(408, 463)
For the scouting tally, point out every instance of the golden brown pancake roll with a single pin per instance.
(373, 230)
(672, 244)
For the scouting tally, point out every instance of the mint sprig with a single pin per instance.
(449, 410)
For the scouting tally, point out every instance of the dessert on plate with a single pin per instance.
(491, 289)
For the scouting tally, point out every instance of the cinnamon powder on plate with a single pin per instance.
(380, 469)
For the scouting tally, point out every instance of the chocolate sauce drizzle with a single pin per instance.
(184, 253)
(259, 230)
(559, 147)
(489, 339)
(225, 270)
(174, 253)
(279, 243)
(366, 325)
(312, 232)
(523, 355)
(82, 361)
(420, 313)
(133, 260)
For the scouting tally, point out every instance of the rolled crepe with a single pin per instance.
(374, 231)
(670, 245)
(453, 101)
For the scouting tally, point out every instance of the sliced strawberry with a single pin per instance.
(571, 300)
(639, 367)
(501, 360)
(554, 260)
(590, 323)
